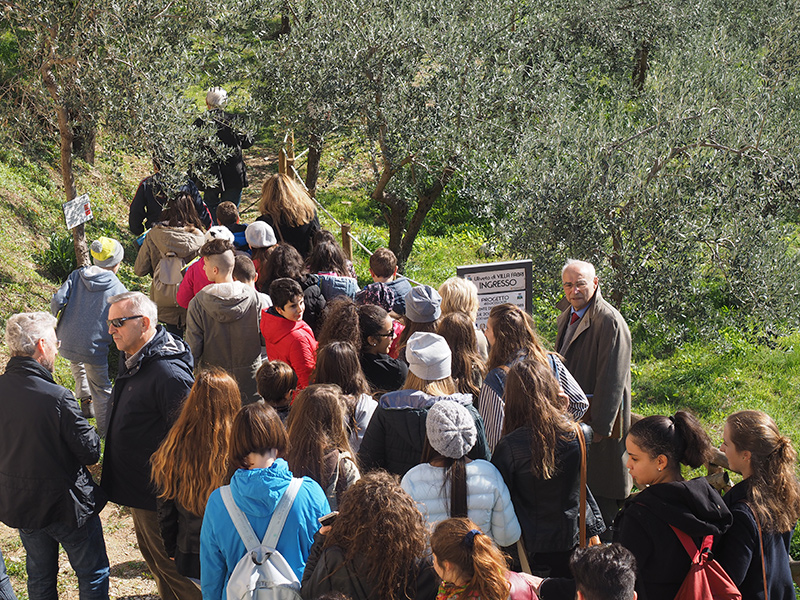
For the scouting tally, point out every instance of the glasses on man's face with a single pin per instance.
(121, 321)
(389, 335)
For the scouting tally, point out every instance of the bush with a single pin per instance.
(59, 258)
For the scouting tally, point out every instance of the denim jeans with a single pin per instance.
(213, 198)
(6, 591)
(86, 550)
(92, 380)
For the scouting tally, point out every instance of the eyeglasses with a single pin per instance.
(389, 335)
(121, 321)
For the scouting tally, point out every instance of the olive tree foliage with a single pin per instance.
(414, 84)
(120, 66)
(684, 193)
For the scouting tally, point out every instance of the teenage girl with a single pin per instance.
(767, 499)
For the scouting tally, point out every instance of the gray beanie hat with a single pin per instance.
(451, 429)
(428, 356)
(218, 232)
(106, 252)
(423, 304)
(216, 97)
(260, 235)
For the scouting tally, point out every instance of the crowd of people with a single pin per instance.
(376, 440)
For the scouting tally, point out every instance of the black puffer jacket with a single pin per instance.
(44, 445)
(547, 509)
(145, 402)
(396, 433)
(314, 300)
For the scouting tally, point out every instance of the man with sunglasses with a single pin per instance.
(155, 376)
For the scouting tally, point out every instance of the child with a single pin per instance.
(195, 278)
(276, 382)
(228, 216)
(383, 268)
(606, 572)
(222, 321)
(83, 304)
(261, 241)
(287, 336)
(245, 271)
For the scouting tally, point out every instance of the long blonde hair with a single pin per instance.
(437, 387)
(192, 460)
(285, 201)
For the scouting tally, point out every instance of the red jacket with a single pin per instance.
(194, 280)
(292, 342)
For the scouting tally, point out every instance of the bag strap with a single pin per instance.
(523, 556)
(691, 548)
(239, 519)
(281, 512)
(761, 547)
(582, 513)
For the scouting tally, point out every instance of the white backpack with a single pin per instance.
(262, 573)
(167, 276)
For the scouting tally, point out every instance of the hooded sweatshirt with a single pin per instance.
(185, 242)
(396, 433)
(83, 302)
(222, 331)
(257, 492)
(292, 342)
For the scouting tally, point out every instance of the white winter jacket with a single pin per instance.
(488, 501)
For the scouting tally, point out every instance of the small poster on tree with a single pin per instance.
(77, 211)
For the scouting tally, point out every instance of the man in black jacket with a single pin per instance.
(46, 490)
(155, 376)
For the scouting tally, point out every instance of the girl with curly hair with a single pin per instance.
(192, 462)
(376, 547)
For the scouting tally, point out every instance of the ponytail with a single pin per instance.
(681, 438)
(774, 494)
(474, 556)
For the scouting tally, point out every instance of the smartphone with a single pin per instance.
(328, 519)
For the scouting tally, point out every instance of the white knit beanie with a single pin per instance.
(451, 429)
(428, 356)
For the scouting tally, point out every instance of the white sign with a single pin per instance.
(77, 211)
(500, 283)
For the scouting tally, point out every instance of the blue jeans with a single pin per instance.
(6, 591)
(86, 550)
(213, 198)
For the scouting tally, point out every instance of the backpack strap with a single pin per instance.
(582, 496)
(239, 519)
(281, 512)
(761, 548)
(691, 548)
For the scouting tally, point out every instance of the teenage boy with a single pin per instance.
(228, 216)
(383, 268)
(222, 321)
(287, 336)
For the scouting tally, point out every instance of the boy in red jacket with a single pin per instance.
(287, 336)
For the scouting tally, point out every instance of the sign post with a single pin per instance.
(499, 283)
(77, 211)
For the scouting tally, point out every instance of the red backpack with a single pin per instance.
(706, 579)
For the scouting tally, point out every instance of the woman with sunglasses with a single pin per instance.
(377, 332)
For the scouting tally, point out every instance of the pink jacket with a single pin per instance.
(193, 281)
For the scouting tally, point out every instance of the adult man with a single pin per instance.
(45, 444)
(595, 342)
(223, 319)
(155, 376)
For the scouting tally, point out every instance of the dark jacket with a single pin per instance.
(314, 300)
(396, 433)
(327, 570)
(547, 509)
(739, 552)
(383, 372)
(180, 531)
(44, 445)
(149, 201)
(299, 236)
(230, 173)
(145, 402)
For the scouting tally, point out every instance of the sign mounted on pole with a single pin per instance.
(77, 211)
(499, 283)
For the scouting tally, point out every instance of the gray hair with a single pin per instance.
(582, 265)
(24, 330)
(140, 304)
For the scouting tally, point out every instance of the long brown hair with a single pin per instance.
(285, 201)
(340, 322)
(774, 493)
(474, 556)
(514, 332)
(338, 363)
(381, 532)
(531, 396)
(316, 427)
(328, 257)
(432, 387)
(454, 485)
(181, 212)
(459, 332)
(284, 261)
(680, 438)
(192, 460)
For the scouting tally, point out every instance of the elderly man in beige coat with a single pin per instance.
(595, 342)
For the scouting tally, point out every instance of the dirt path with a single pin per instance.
(130, 577)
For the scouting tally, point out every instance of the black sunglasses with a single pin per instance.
(121, 321)
(390, 334)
